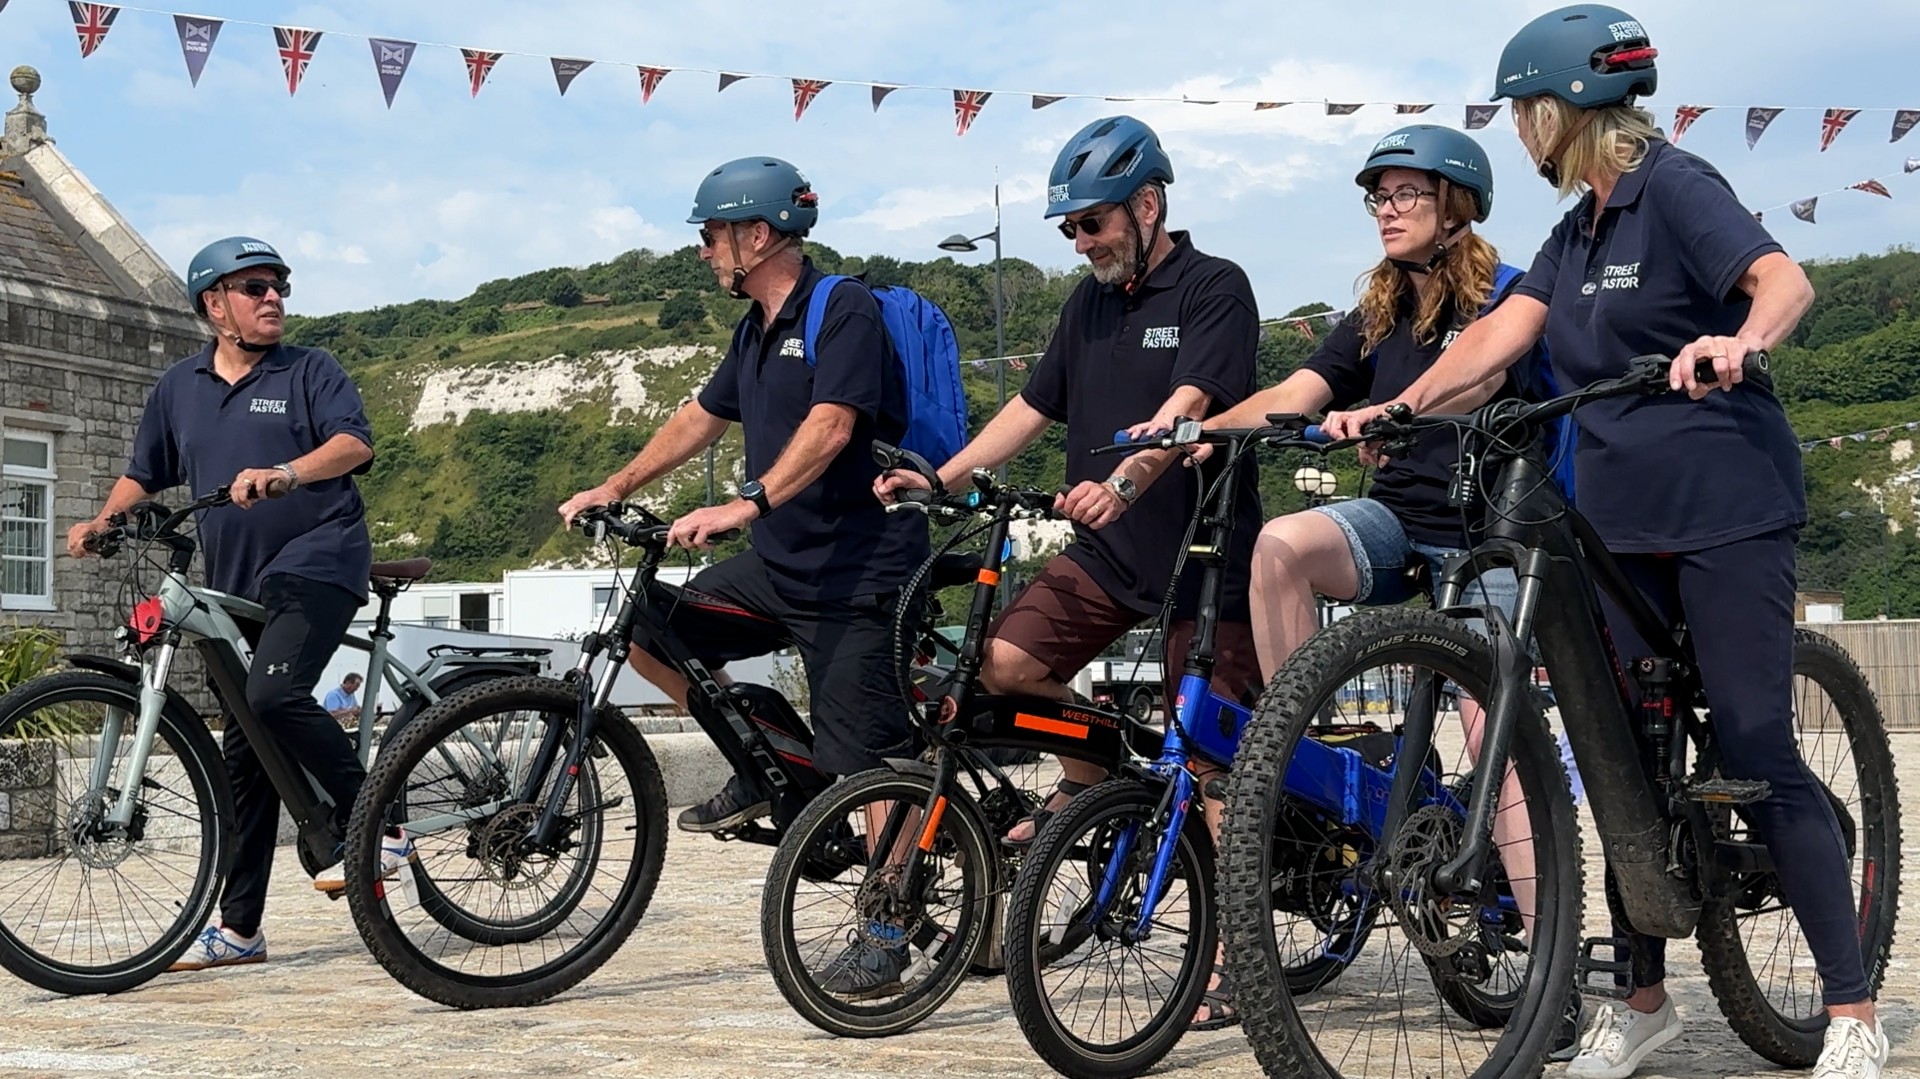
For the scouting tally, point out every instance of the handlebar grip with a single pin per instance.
(1315, 435)
(724, 535)
(1757, 365)
(917, 495)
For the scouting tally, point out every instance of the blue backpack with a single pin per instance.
(929, 357)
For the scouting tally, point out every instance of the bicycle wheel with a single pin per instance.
(852, 954)
(477, 920)
(86, 907)
(1094, 999)
(1751, 946)
(1412, 995)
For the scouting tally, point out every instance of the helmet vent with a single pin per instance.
(1105, 129)
(1122, 163)
(1079, 162)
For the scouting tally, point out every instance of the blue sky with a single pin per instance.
(441, 192)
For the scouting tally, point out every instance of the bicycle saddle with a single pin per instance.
(410, 570)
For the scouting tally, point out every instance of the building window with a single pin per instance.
(26, 520)
(602, 599)
(476, 611)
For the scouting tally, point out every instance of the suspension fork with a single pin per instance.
(585, 722)
(153, 700)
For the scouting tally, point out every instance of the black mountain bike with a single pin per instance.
(888, 887)
(1683, 859)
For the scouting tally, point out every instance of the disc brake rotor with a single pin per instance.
(1429, 839)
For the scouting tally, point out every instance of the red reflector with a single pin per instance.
(1632, 56)
(147, 615)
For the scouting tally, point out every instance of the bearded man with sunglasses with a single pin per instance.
(1157, 331)
(284, 428)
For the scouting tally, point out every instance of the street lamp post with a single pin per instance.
(1886, 558)
(961, 243)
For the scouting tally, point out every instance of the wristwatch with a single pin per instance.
(756, 492)
(293, 478)
(1124, 487)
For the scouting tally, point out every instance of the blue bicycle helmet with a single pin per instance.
(1106, 162)
(757, 189)
(1588, 55)
(1440, 150)
(222, 257)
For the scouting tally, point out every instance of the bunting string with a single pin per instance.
(393, 56)
(1877, 434)
(1804, 208)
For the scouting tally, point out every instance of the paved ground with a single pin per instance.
(689, 996)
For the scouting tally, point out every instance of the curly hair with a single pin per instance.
(1464, 279)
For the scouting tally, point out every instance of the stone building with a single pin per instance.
(89, 317)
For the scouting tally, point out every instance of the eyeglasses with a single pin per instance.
(706, 238)
(256, 287)
(1403, 200)
(1090, 224)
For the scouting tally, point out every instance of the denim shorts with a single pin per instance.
(1381, 550)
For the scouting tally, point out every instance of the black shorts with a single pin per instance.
(731, 611)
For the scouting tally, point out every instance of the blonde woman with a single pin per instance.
(1700, 500)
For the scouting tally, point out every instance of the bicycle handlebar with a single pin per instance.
(1287, 430)
(988, 492)
(137, 523)
(599, 522)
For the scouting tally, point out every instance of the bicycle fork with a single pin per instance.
(591, 699)
(153, 700)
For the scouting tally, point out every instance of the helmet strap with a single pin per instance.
(231, 331)
(1550, 161)
(737, 288)
(1142, 244)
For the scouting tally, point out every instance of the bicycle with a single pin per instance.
(141, 815)
(1682, 859)
(906, 859)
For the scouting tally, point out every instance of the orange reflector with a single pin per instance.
(933, 823)
(990, 578)
(1051, 726)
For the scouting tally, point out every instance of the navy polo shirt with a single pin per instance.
(1665, 473)
(833, 540)
(1413, 486)
(200, 431)
(1113, 361)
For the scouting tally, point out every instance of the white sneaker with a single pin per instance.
(1619, 1038)
(1853, 1050)
(217, 946)
(395, 851)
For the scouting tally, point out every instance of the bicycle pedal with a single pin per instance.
(1730, 791)
(1590, 965)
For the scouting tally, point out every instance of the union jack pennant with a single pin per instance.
(91, 22)
(479, 66)
(650, 81)
(1409, 110)
(1872, 187)
(1262, 106)
(1835, 122)
(804, 91)
(966, 106)
(296, 52)
(1683, 118)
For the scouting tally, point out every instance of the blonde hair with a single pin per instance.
(1464, 280)
(1615, 139)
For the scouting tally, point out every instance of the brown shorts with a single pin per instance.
(1065, 620)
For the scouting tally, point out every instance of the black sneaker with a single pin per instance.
(731, 808)
(1566, 1037)
(866, 969)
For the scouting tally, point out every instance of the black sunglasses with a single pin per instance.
(1090, 224)
(256, 287)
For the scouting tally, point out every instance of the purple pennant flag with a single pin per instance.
(1903, 121)
(196, 41)
(880, 94)
(727, 80)
(1804, 209)
(1479, 116)
(565, 71)
(1041, 101)
(1757, 121)
(390, 59)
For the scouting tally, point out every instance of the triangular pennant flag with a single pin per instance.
(390, 59)
(1479, 116)
(1122, 99)
(296, 52)
(966, 106)
(1913, 164)
(1757, 121)
(1017, 364)
(1759, 215)
(880, 94)
(1858, 436)
(1341, 110)
(1871, 187)
(91, 23)
(1041, 101)
(197, 36)
(1683, 118)
(727, 80)
(479, 66)
(1410, 110)
(565, 70)
(1903, 121)
(1262, 106)
(650, 81)
(1196, 101)
(804, 91)
(1832, 124)
(1304, 327)
(1804, 209)
(1333, 318)
(1835, 441)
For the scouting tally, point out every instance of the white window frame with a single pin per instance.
(17, 601)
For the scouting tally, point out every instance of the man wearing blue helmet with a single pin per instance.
(1156, 329)
(827, 563)
(1700, 501)
(283, 427)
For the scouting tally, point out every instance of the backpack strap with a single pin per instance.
(1505, 277)
(817, 312)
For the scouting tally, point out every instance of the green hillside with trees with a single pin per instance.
(478, 495)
